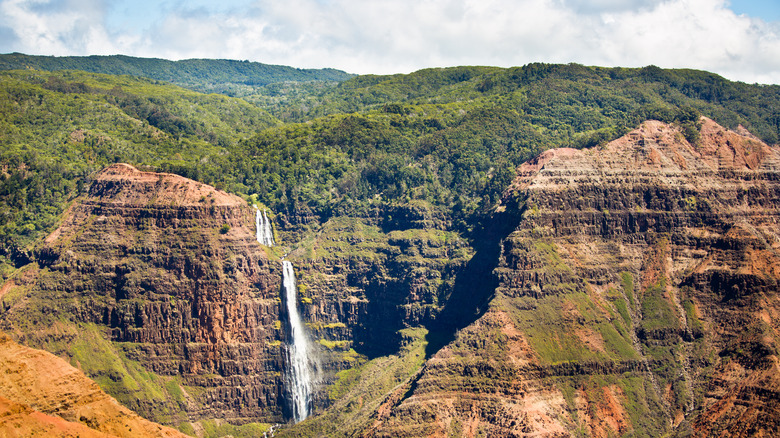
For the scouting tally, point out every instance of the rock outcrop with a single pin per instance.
(156, 287)
(42, 395)
(638, 294)
(164, 275)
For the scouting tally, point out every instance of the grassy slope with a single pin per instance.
(362, 391)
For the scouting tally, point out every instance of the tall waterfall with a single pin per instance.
(265, 234)
(298, 375)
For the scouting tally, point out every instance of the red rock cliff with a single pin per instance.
(169, 271)
(638, 293)
(41, 395)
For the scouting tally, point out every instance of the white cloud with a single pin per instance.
(699, 34)
(56, 27)
(605, 6)
(384, 36)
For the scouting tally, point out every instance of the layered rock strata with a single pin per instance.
(164, 275)
(169, 272)
(360, 288)
(627, 289)
(638, 295)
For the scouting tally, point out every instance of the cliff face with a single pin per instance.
(637, 294)
(156, 287)
(362, 285)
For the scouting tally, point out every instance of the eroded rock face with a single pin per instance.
(169, 271)
(360, 286)
(42, 395)
(639, 293)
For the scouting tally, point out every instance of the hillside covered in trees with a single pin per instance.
(206, 75)
(447, 138)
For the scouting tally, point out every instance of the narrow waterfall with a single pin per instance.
(298, 375)
(265, 234)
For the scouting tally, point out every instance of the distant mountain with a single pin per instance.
(208, 75)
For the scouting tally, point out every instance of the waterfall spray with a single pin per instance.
(298, 375)
(265, 234)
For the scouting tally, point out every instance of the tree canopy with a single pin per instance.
(446, 138)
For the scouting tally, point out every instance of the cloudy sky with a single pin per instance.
(739, 39)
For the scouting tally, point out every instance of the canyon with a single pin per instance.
(628, 288)
(156, 287)
(637, 295)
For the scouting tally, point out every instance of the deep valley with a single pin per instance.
(549, 250)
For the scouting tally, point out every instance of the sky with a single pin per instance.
(739, 40)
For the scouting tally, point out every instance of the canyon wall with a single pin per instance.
(637, 295)
(156, 287)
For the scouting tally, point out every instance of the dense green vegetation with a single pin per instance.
(448, 139)
(56, 129)
(206, 75)
(452, 137)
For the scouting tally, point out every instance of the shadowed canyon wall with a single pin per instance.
(638, 295)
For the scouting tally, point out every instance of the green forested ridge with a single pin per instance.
(448, 138)
(453, 136)
(578, 95)
(58, 128)
(206, 75)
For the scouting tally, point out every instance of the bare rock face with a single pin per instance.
(155, 286)
(637, 293)
(42, 395)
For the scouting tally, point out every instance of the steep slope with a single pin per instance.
(584, 281)
(156, 287)
(41, 395)
(638, 294)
